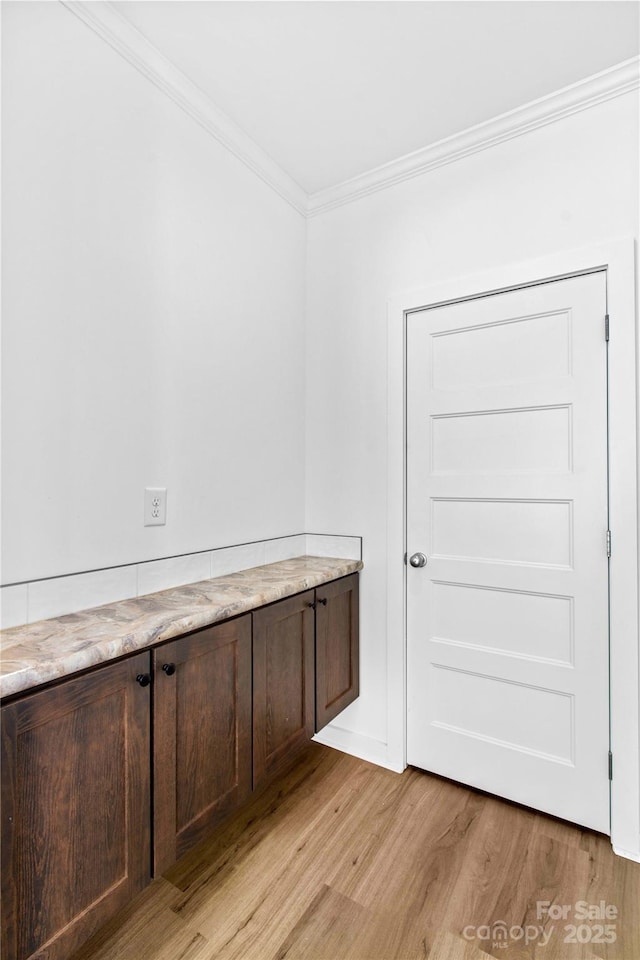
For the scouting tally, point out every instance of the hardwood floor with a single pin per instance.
(341, 860)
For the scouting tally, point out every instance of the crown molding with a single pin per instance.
(127, 41)
(620, 79)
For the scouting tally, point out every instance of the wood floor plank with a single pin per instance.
(148, 929)
(428, 836)
(492, 859)
(328, 928)
(341, 860)
(549, 871)
(448, 946)
(617, 882)
(315, 769)
(336, 926)
(274, 884)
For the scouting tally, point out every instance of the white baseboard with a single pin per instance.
(627, 854)
(359, 745)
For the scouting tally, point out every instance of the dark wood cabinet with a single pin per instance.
(305, 670)
(75, 808)
(229, 707)
(201, 734)
(337, 651)
(283, 683)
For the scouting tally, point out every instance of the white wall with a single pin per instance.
(567, 185)
(153, 305)
(153, 302)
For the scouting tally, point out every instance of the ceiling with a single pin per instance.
(331, 90)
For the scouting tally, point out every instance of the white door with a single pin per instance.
(507, 668)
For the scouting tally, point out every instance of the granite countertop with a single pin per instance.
(49, 649)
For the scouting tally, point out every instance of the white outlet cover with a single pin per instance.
(155, 506)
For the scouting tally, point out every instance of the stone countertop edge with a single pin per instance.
(38, 653)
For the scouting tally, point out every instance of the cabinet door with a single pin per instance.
(337, 637)
(202, 734)
(283, 688)
(75, 808)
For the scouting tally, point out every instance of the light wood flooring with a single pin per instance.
(342, 860)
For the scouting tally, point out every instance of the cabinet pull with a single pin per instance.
(312, 606)
(169, 669)
(143, 679)
(322, 600)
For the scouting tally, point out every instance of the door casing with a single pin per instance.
(618, 258)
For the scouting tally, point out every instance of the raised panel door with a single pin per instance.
(337, 638)
(202, 734)
(283, 683)
(507, 653)
(75, 799)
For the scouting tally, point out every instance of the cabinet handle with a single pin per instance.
(312, 605)
(143, 679)
(322, 600)
(169, 669)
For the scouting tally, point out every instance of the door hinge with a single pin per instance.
(606, 327)
(608, 543)
(610, 765)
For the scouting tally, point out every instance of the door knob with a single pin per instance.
(418, 560)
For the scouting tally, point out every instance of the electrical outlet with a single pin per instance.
(155, 506)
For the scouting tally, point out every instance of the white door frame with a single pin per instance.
(618, 258)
